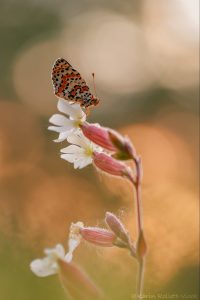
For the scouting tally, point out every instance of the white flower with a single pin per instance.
(66, 125)
(48, 265)
(81, 152)
(74, 239)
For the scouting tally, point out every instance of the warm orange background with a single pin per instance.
(145, 57)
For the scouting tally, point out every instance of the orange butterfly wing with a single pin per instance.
(69, 85)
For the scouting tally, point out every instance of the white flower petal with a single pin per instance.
(58, 140)
(79, 139)
(73, 110)
(74, 239)
(68, 257)
(69, 157)
(74, 139)
(63, 136)
(43, 267)
(48, 265)
(72, 149)
(80, 114)
(59, 129)
(60, 120)
(73, 244)
(84, 163)
(58, 251)
(80, 153)
(79, 162)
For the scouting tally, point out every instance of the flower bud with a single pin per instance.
(77, 283)
(125, 149)
(98, 135)
(107, 164)
(141, 248)
(117, 227)
(98, 236)
(110, 140)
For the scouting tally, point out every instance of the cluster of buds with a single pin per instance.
(76, 283)
(116, 235)
(91, 143)
(110, 140)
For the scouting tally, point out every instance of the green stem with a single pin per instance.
(140, 277)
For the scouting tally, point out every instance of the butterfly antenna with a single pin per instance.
(94, 86)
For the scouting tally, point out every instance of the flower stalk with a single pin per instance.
(108, 151)
(141, 247)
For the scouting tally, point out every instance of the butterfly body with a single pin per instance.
(69, 85)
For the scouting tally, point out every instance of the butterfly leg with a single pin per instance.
(87, 108)
(87, 111)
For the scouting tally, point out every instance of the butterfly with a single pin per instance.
(69, 85)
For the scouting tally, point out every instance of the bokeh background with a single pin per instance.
(145, 57)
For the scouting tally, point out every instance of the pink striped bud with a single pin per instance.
(98, 135)
(122, 234)
(110, 140)
(117, 227)
(98, 236)
(108, 164)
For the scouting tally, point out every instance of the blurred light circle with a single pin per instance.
(32, 76)
(163, 153)
(170, 221)
(112, 47)
(165, 156)
(19, 132)
(171, 29)
(56, 202)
